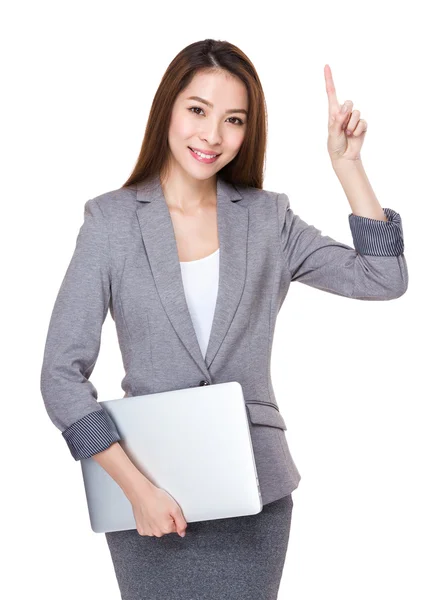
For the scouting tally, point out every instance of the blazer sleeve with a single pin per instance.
(375, 269)
(73, 342)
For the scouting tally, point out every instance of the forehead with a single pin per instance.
(220, 88)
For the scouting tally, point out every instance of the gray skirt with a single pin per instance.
(238, 558)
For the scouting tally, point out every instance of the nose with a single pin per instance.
(212, 136)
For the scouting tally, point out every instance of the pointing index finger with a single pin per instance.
(330, 89)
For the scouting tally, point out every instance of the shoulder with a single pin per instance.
(113, 201)
(252, 196)
(263, 201)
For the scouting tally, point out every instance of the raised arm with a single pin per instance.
(374, 270)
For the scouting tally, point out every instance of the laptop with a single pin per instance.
(195, 443)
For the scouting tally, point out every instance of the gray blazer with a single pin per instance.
(126, 260)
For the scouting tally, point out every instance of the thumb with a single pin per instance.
(180, 522)
(338, 119)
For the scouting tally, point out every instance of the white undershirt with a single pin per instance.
(200, 281)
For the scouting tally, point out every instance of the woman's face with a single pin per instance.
(215, 128)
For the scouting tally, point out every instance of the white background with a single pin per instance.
(78, 82)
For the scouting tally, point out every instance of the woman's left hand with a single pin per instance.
(346, 130)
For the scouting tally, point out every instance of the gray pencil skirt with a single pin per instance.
(238, 558)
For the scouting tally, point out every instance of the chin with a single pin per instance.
(201, 174)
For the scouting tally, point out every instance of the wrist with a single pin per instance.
(138, 488)
(345, 164)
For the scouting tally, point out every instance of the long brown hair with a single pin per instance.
(247, 166)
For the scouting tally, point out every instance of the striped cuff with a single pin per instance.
(378, 238)
(91, 434)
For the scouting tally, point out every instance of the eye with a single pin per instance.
(194, 108)
(240, 122)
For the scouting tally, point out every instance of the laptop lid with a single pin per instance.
(194, 443)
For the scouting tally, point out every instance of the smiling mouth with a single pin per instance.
(204, 154)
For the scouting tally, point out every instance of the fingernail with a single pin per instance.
(183, 534)
(344, 108)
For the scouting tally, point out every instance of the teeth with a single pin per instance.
(204, 155)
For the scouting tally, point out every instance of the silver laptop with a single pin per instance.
(194, 443)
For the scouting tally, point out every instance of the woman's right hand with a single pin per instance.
(157, 513)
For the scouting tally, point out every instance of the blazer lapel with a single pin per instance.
(233, 244)
(161, 249)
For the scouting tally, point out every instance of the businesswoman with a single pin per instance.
(194, 260)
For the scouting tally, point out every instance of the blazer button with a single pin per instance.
(204, 382)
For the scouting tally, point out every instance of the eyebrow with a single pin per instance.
(233, 110)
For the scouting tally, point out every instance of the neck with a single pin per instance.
(188, 194)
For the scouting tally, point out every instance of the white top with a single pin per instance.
(200, 281)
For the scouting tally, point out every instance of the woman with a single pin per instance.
(194, 260)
